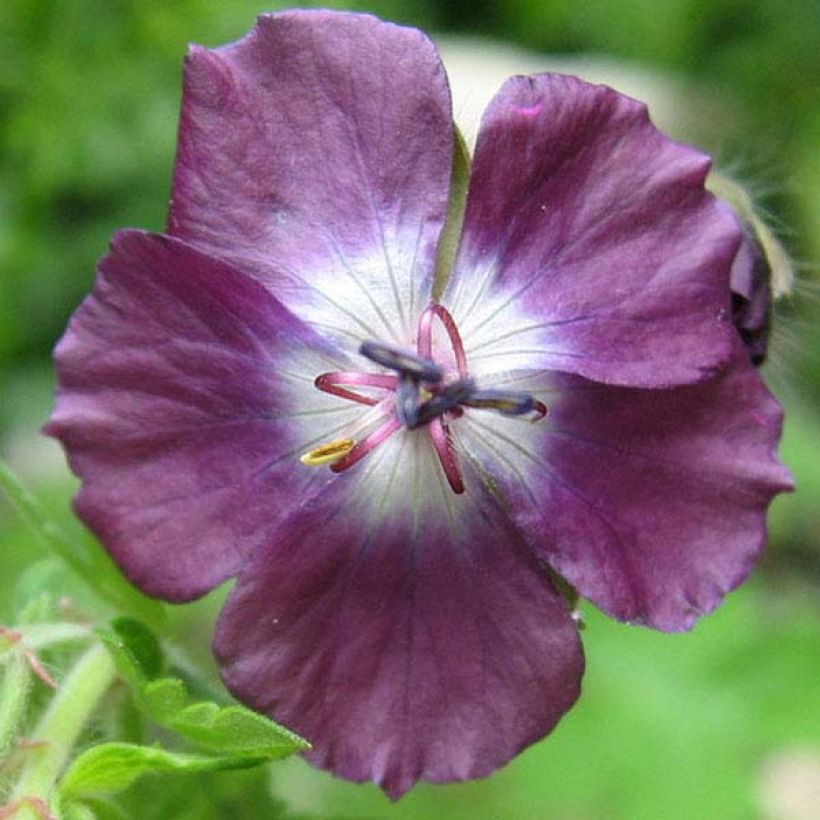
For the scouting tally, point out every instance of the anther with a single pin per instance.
(407, 364)
(328, 453)
(507, 402)
(408, 401)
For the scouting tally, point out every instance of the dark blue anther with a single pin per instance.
(507, 402)
(407, 364)
(407, 401)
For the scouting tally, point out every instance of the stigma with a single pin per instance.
(418, 393)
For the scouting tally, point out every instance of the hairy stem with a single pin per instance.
(61, 725)
(13, 697)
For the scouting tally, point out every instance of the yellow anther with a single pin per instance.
(327, 453)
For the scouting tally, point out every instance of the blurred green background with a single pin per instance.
(724, 722)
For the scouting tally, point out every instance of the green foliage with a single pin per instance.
(234, 737)
(227, 730)
(136, 648)
(113, 767)
(84, 556)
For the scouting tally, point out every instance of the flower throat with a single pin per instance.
(419, 393)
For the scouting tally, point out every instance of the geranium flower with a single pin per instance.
(399, 452)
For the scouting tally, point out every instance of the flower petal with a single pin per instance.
(652, 503)
(407, 634)
(590, 245)
(185, 388)
(315, 154)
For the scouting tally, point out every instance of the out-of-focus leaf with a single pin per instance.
(86, 559)
(79, 811)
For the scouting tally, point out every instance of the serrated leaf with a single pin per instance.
(112, 767)
(229, 729)
(163, 699)
(234, 729)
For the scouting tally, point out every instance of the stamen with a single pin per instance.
(507, 402)
(329, 383)
(417, 367)
(340, 447)
(440, 435)
(332, 451)
(363, 447)
(424, 338)
(417, 395)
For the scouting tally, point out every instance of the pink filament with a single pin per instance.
(425, 335)
(440, 434)
(329, 383)
(363, 447)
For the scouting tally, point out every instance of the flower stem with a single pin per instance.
(61, 725)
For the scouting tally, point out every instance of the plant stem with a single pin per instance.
(13, 696)
(61, 725)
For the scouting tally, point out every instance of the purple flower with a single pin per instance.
(569, 397)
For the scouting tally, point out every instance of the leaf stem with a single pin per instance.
(61, 725)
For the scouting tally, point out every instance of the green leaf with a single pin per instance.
(125, 659)
(78, 811)
(143, 645)
(101, 808)
(235, 729)
(113, 767)
(166, 701)
(163, 699)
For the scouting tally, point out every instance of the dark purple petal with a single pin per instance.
(591, 230)
(652, 503)
(406, 632)
(752, 298)
(315, 154)
(182, 384)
